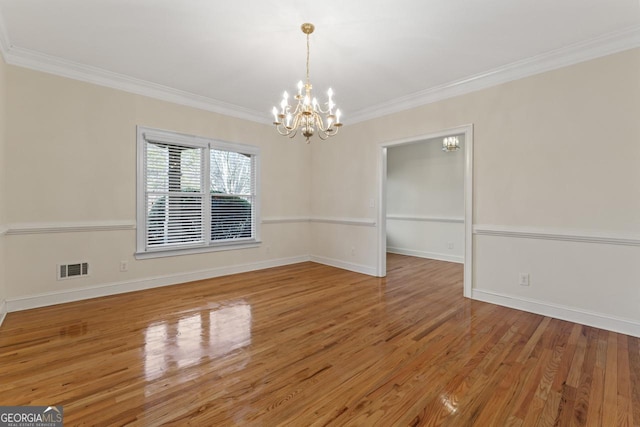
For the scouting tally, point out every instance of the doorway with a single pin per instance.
(466, 134)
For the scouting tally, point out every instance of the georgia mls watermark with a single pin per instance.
(31, 416)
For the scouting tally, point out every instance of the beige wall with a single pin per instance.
(557, 152)
(72, 152)
(3, 126)
(554, 150)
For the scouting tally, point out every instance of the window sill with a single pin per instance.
(196, 250)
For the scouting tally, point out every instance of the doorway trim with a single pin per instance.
(467, 130)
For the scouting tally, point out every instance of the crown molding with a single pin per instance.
(5, 45)
(627, 38)
(53, 65)
(607, 44)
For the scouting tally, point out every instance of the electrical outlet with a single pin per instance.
(524, 279)
(353, 250)
(124, 266)
(450, 245)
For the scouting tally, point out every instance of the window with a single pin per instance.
(194, 194)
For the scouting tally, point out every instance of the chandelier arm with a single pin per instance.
(296, 120)
(282, 130)
(323, 132)
(320, 123)
(320, 110)
(332, 131)
(298, 109)
(322, 135)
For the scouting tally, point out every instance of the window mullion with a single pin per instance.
(206, 190)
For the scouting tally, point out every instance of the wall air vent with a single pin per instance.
(68, 271)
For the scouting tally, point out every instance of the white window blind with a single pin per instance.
(194, 193)
(174, 196)
(232, 195)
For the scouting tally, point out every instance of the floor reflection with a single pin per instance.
(450, 403)
(207, 334)
(74, 329)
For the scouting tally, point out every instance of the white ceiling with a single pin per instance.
(379, 56)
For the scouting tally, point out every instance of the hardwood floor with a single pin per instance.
(313, 345)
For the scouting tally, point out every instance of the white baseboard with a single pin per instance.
(357, 268)
(71, 295)
(572, 314)
(3, 311)
(429, 255)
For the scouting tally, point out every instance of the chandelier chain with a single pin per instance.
(308, 59)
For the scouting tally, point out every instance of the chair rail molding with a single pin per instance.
(285, 219)
(364, 222)
(569, 235)
(68, 227)
(420, 218)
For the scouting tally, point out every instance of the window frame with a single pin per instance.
(145, 135)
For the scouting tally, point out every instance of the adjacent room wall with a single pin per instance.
(556, 192)
(72, 198)
(425, 200)
(3, 126)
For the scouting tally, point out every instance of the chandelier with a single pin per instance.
(450, 143)
(307, 116)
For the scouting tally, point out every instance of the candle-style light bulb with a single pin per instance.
(300, 85)
(330, 102)
(275, 114)
(283, 105)
(338, 114)
(288, 119)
